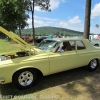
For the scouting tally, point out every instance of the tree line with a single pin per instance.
(48, 30)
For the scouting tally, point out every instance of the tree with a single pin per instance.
(43, 4)
(12, 14)
(21, 16)
(87, 19)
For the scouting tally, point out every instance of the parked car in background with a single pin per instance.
(39, 39)
(28, 38)
(24, 67)
(95, 43)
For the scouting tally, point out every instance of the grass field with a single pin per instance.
(7, 46)
(77, 84)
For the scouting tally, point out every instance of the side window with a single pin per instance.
(68, 45)
(80, 45)
(72, 44)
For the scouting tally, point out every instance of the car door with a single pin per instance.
(83, 54)
(61, 61)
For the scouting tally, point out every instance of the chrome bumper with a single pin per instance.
(2, 80)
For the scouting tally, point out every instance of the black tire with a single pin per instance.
(24, 78)
(97, 45)
(93, 65)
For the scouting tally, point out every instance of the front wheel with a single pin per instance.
(24, 78)
(93, 65)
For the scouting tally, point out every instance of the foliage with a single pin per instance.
(42, 4)
(12, 14)
(51, 30)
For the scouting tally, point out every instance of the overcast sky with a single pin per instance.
(68, 14)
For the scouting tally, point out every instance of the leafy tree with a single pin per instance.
(87, 19)
(43, 4)
(12, 14)
(21, 16)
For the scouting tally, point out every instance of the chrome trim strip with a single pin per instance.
(2, 80)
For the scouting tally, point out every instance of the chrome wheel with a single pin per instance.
(93, 63)
(25, 78)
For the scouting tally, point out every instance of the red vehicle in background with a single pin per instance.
(28, 38)
(25, 37)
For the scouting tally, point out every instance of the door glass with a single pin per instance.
(80, 45)
(66, 46)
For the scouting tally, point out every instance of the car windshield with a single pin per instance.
(47, 45)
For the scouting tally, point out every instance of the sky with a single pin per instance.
(69, 14)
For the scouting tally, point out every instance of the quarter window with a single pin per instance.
(80, 45)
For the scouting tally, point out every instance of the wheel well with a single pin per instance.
(96, 44)
(97, 59)
(39, 73)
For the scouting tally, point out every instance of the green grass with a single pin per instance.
(8, 46)
(77, 84)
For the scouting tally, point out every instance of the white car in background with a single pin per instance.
(95, 43)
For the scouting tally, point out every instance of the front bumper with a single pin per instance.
(2, 80)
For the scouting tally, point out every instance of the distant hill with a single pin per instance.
(52, 30)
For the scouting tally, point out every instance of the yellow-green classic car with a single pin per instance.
(50, 56)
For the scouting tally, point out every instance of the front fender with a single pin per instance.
(7, 71)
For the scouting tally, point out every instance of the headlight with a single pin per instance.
(2, 58)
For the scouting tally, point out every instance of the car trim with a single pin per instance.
(2, 80)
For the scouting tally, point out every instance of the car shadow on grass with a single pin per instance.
(68, 80)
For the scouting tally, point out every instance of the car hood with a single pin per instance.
(17, 39)
(24, 60)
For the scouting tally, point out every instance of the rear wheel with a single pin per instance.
(24, 78)
(97, 45)
(93, 65)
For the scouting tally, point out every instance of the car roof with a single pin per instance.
(66, 39)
